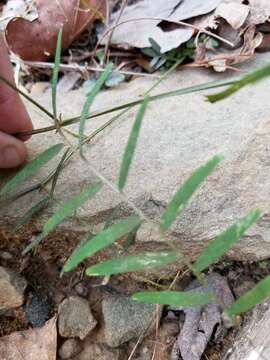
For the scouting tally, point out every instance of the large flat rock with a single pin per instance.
(178, 135)
(253, 340)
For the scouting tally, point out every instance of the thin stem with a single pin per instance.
(164, 95)
(81, 68)
(15, 88)
(124, 4)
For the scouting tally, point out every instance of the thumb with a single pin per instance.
(12, 151)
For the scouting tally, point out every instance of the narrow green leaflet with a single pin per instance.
(131, 145)
(64, 211)
(102, 240)
(56, 71)
(58, 170)
(31, 168)
(251, 298)
(133, 263)
(33, 244)
(182, 196)
(221, 244)
(250, 78)
(33, 211)
(178, 298)
(89, 101)
(69, 207)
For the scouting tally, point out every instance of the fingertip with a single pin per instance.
(13, 152)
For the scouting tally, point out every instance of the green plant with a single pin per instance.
(113, 232)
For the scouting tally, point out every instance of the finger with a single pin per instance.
(12, 151)
(13, 115)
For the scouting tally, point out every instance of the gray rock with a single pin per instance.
(12, 288)
(75, 318)
(37, 309)
(69, 348)
(125, 319)
(253, 339)
(178, 135)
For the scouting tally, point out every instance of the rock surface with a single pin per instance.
(12, 288)
(125, 319)
(69, 349)
(253, 340)
(75, 318)
(178, 134)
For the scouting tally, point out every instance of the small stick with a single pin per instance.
(106, 51)
(75, 67)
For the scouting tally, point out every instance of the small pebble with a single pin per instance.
(37, 310)
(12, 288)
(5, 255)
(81, 289)
(75, 318)
(169, 328)
(70, 348)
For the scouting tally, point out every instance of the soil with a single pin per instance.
(42, 271)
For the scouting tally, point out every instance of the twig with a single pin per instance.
(89, 54)
(191, 89)
(81, 68)
(106, 50)
(158, 308)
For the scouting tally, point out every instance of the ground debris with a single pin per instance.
(137, 33)
(204, 322)
(34, 344)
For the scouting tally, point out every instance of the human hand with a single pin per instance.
(13, 117)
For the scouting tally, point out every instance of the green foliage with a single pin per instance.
(165, 61)
(185, 192)
(95, 242)
(69, 207)
(102, 240)
(131, 145)
(225, 241)
(248, 79)
(133, 263)
(177, 298)
(90, 99)
(31, 168)
(253, 297)
(57, 60)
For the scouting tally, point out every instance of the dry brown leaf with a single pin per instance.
(265, 44)
(203, 322)
(235, 14)
(136, 26)
(34, 344)
(36, 40)
(259, 11)
(225, 60)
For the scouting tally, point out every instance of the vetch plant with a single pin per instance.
(92, 244)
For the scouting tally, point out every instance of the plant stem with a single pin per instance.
(188, 90)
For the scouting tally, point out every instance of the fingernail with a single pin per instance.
(10, 157)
